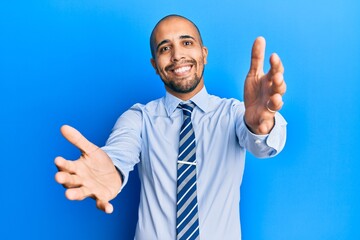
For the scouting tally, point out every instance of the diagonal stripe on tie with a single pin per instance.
(186, 183)
(190, 229)
(186, 149)
(186, 193)
(182, 208)
(187, 127)
(186, 136)
(187, 222)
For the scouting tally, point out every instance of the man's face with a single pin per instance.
(179, 56)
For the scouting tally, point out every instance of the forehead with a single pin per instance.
(174, 27)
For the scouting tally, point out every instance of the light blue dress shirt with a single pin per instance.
(148, 135)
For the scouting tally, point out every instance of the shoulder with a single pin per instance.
(229, 104)
(153, 107)
(133, 117)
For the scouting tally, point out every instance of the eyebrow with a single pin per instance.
(181, 37)
(186, 37)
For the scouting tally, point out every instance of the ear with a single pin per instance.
(205, 54)
(153, 63)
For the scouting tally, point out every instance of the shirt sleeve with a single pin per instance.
(124, 143)
(262, 146)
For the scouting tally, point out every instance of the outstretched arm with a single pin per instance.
(263, 92)
(92, 175)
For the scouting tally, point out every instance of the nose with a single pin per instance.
(177, 54)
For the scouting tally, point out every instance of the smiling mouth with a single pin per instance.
(182, 70)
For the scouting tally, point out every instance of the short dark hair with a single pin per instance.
(164, 18)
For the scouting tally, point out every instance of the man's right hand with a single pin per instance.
(92, 175)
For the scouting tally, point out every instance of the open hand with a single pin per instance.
(263, 92)
(92, 175)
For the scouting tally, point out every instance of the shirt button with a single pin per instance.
(272, 152)
(258, 141)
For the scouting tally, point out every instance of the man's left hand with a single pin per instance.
(263, 92)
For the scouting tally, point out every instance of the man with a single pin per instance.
(218, 132)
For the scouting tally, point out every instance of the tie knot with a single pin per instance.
(187, 108)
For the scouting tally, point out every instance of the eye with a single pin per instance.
(188, 43)
(164, 49)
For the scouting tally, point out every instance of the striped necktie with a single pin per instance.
(187, 221)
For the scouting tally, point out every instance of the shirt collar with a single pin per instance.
(201, 99)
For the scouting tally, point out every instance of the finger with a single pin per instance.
(276, 64)
(79, 193)
(76, 138)
(278, 84)
(275, 103)
(104, 206)
(257, 56)
(68, 180)
(65, 165)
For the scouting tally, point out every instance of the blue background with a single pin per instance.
(83, 63)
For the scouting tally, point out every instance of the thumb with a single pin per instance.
(257, 56)
(104, 206)
(77, 139)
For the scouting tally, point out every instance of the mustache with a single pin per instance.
(174, 65)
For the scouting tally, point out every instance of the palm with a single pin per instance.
(263, 91)
(256, 92)
(92, 175)
(98, 169)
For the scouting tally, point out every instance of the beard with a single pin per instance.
(184, 85)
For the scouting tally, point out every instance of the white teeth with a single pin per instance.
(182, 69)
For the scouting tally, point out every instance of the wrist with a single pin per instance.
(260, 127)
